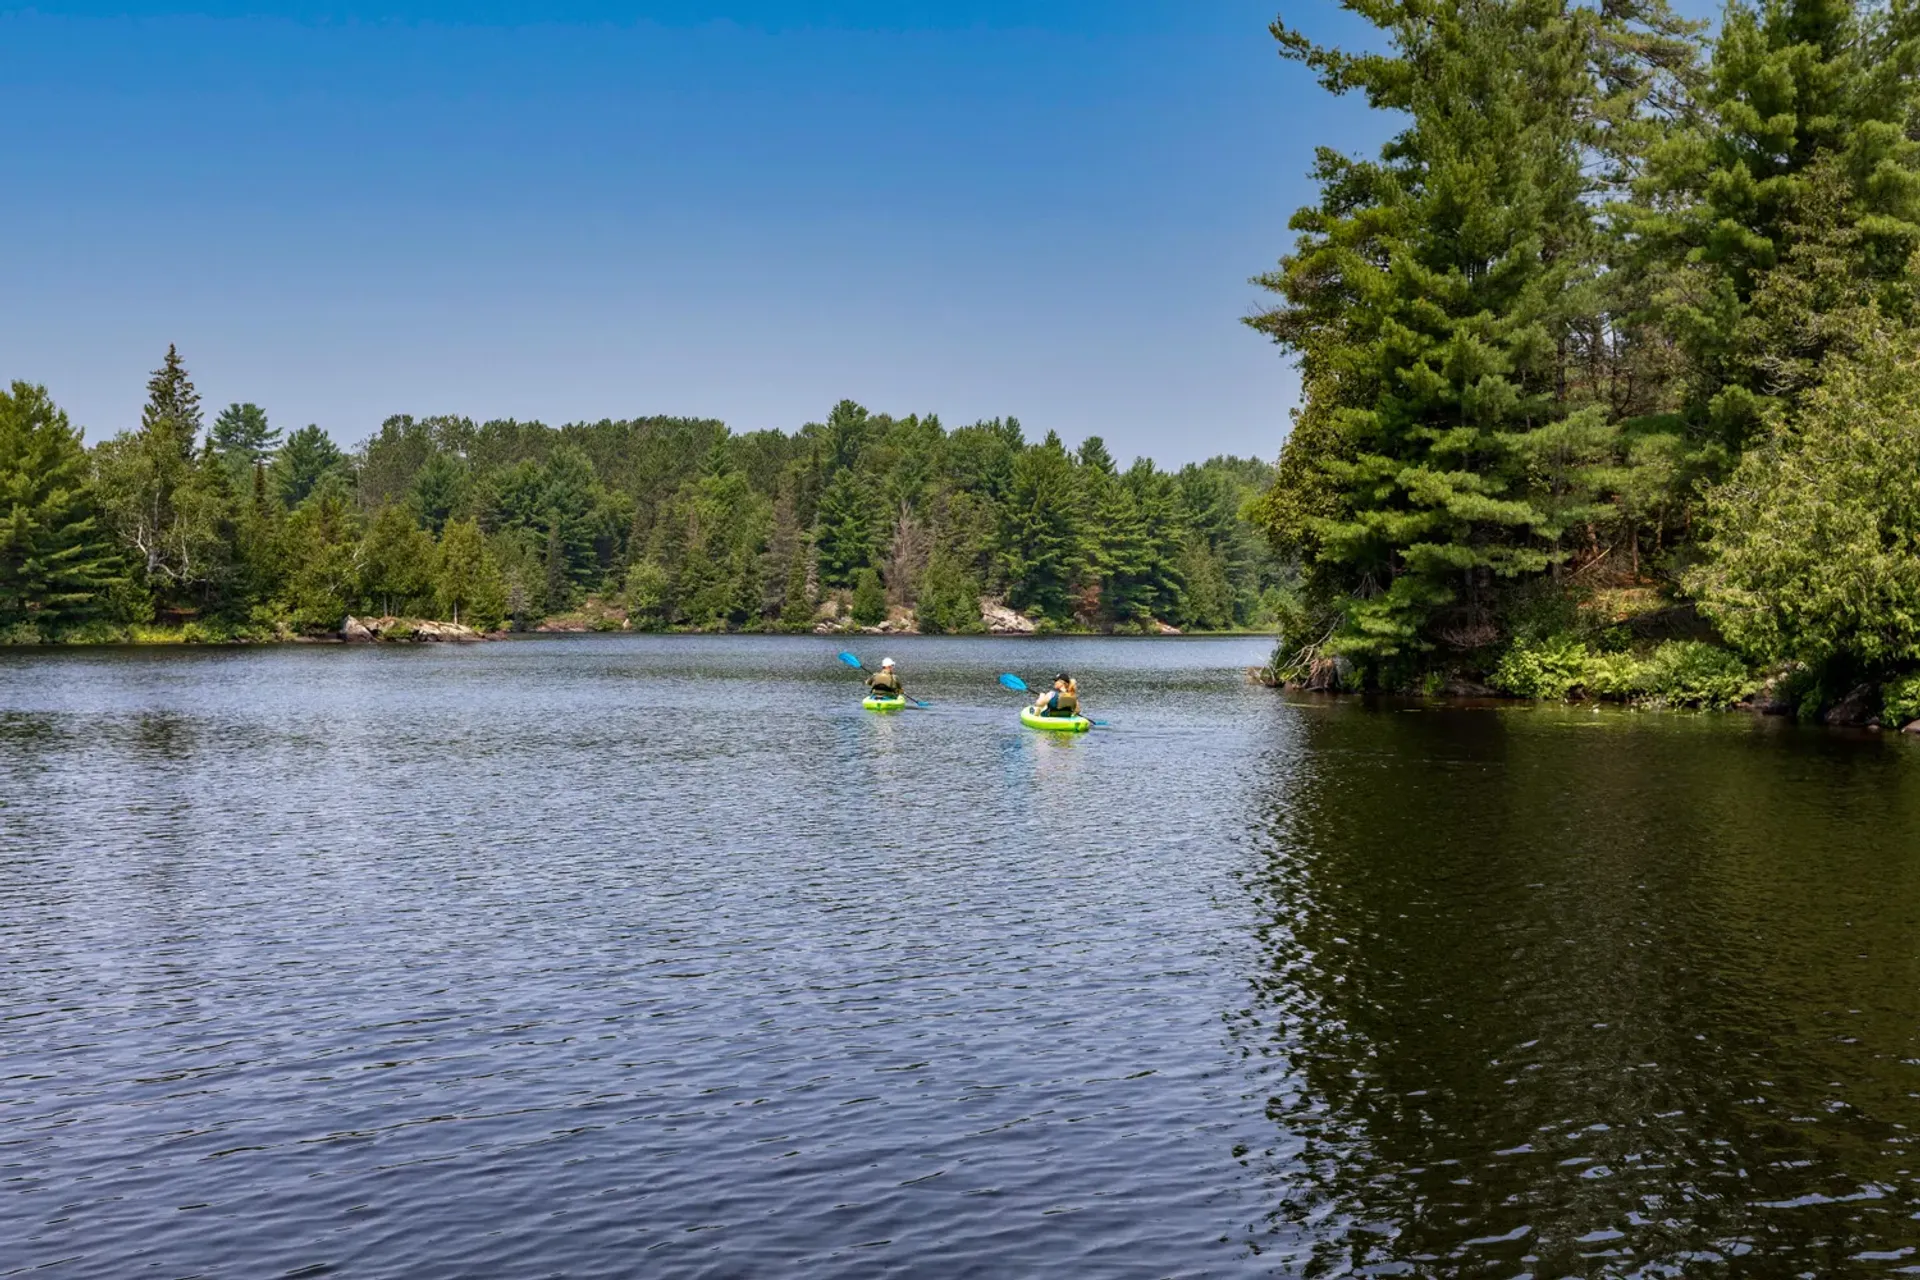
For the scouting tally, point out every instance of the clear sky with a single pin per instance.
(745, 209)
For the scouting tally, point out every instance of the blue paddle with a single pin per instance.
(1015, 683)
(852, 661)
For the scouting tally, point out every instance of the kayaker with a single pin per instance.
(1061, 700)
(884, 683)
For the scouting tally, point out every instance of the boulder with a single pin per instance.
(1858, 709)
(1002, 621)
(443, 631)
(1166, 629)
(1913, 727)
(357, 631)
(1460, 687)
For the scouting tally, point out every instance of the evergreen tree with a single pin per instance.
(1437, 298)
(57, 563)
(242, 437)
(308, 458)
(1041, 524)
(869, 599)
(846, 530)
(467, 580)
(322, 546)
(646, 596)
(949, 597)
(396, 562)
(157, 493)
(1801, 94)
(440, 491)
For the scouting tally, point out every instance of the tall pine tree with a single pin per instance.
(1437, 298)
(56, 561)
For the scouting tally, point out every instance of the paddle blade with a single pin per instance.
(1014, 683)
(849, 659)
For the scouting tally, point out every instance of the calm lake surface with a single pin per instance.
(657, 956)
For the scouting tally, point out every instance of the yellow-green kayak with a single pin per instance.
(1054, 724)
(884, 704)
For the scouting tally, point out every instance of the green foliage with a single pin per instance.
(396, 563)
(1815, 556)
(1689, 673)
(702, 529)
(646, 593)
(1041, 534)
(307, 459)
(57, 564)
(467, 580)
(165, 502)
(321, 545)
(949, 597)
(1900, 700)
(242, 437)
(1552, 669)
(869, 599)
(1679, 673)
(846, 530)
(1447, 305)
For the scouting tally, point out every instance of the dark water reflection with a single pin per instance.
(654, 956)
(1561, 994)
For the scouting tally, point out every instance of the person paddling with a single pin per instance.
(1061, 700)
(885, 683)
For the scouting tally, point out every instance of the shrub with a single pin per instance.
(1619, 676)
(869, 599)
(1812, 554)
(646, 596)
(1900, 700)
(1689, 673)
(1551, 668)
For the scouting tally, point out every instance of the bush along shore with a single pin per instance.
(177, 530)
(1611, 360)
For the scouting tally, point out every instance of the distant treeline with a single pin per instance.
(229, 530)
(1615, 341)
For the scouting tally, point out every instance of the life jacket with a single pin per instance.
(885, 683)
(1063, 704)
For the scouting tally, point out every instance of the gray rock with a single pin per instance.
(1857, 710)
(357, 631)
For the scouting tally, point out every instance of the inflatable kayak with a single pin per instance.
(894, 703)
(1054, 724)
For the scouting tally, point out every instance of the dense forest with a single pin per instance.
(1612, 380)
(181, 529)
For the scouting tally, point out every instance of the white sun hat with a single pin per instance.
(886, 662)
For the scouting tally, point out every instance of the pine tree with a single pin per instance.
(1438, 298)
(157, 493)
(56, 561)
(308, 457)
(1802, 130)
(1041, 531)
(172, 413)
(242, 437)
(846, 529)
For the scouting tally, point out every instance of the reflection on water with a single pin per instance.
(657, 956)
(1556, 994)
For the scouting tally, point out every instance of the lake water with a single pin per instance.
(625, 956)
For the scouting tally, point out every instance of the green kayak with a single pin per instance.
(884, 704)
(1054, 724)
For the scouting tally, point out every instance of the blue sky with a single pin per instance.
(744, 210)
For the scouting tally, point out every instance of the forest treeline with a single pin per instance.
(227, 530)
(1612, 380)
